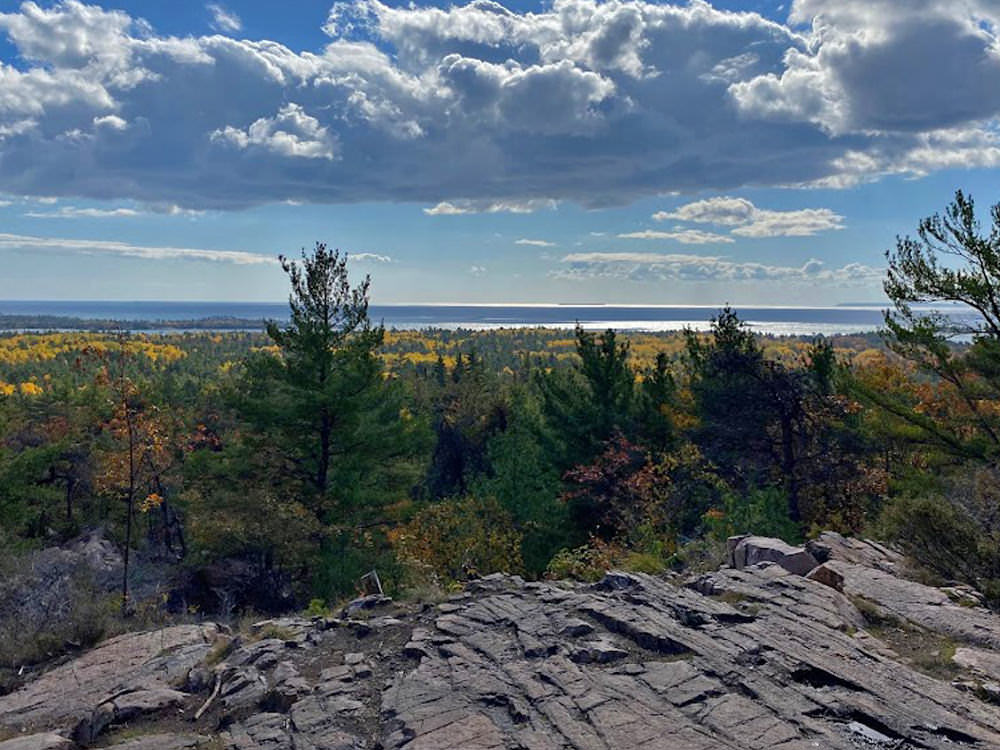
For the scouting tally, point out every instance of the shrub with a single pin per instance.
(763, 512)
(459, 539)
(29, 636)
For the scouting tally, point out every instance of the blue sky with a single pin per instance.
(575, 151)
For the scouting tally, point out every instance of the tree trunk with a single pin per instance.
(130, 502)
(788, 467)
(70, 486)
(323, 470)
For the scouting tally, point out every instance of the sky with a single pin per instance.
(621, 152)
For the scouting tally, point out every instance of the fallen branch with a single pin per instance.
(206, 704)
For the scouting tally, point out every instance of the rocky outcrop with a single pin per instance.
(125, 674)
(757, 657)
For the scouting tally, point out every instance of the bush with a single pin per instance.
(31, 636)
(460, 539)
(588, 562)
(945, 539)
(762, 512)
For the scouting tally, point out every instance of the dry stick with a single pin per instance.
(206, 704)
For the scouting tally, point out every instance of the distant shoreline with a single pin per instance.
(10, 323)
(165, 317)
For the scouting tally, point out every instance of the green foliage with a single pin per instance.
(326, 427)
(955, 534)
(525, 483)
(951, 261)
(586, 405)
(317, 608)
(588, 562)
(469, 408)
(321, 408)
(762, 512)
(766, 424)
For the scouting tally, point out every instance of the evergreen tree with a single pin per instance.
(329, 426)
(951, 261)
(586, 405)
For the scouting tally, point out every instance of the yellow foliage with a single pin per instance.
(455, 540)
(41, 347)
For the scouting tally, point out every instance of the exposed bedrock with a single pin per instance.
(841, 653)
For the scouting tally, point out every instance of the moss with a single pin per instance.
(730, 597)
(925, 651)
(644, 562)
(873, 614)
(272, 631)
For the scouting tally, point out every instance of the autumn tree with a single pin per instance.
(136, 453)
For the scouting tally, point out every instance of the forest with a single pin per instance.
(294, 461)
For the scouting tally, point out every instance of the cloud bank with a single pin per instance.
(476, 105)
(683, 267)
(111, 247)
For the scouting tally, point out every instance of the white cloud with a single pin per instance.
(290, 133)
(800, 223)
(535, 243)
(224, 19)
(110, 121)
(461, 207)
(684, 236)
(722, 210)
(71, 212)
(109, 247)
(475, 106)
(884, 65)
(750, 221)
(684, 267)
(369, 258)
(477, 270)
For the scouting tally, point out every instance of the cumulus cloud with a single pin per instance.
(722, 210)
(684, 236)
(290, 133)
(477, 105)
(369, 258)
(884, 65)
(800, 223)
(750, 221)
(535, 243)
(684, 267)
(224, 19)
(32, 243)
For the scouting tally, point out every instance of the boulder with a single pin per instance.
(827, 576)
(125, 707)
(751, 550)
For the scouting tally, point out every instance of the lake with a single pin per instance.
(774, 320)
